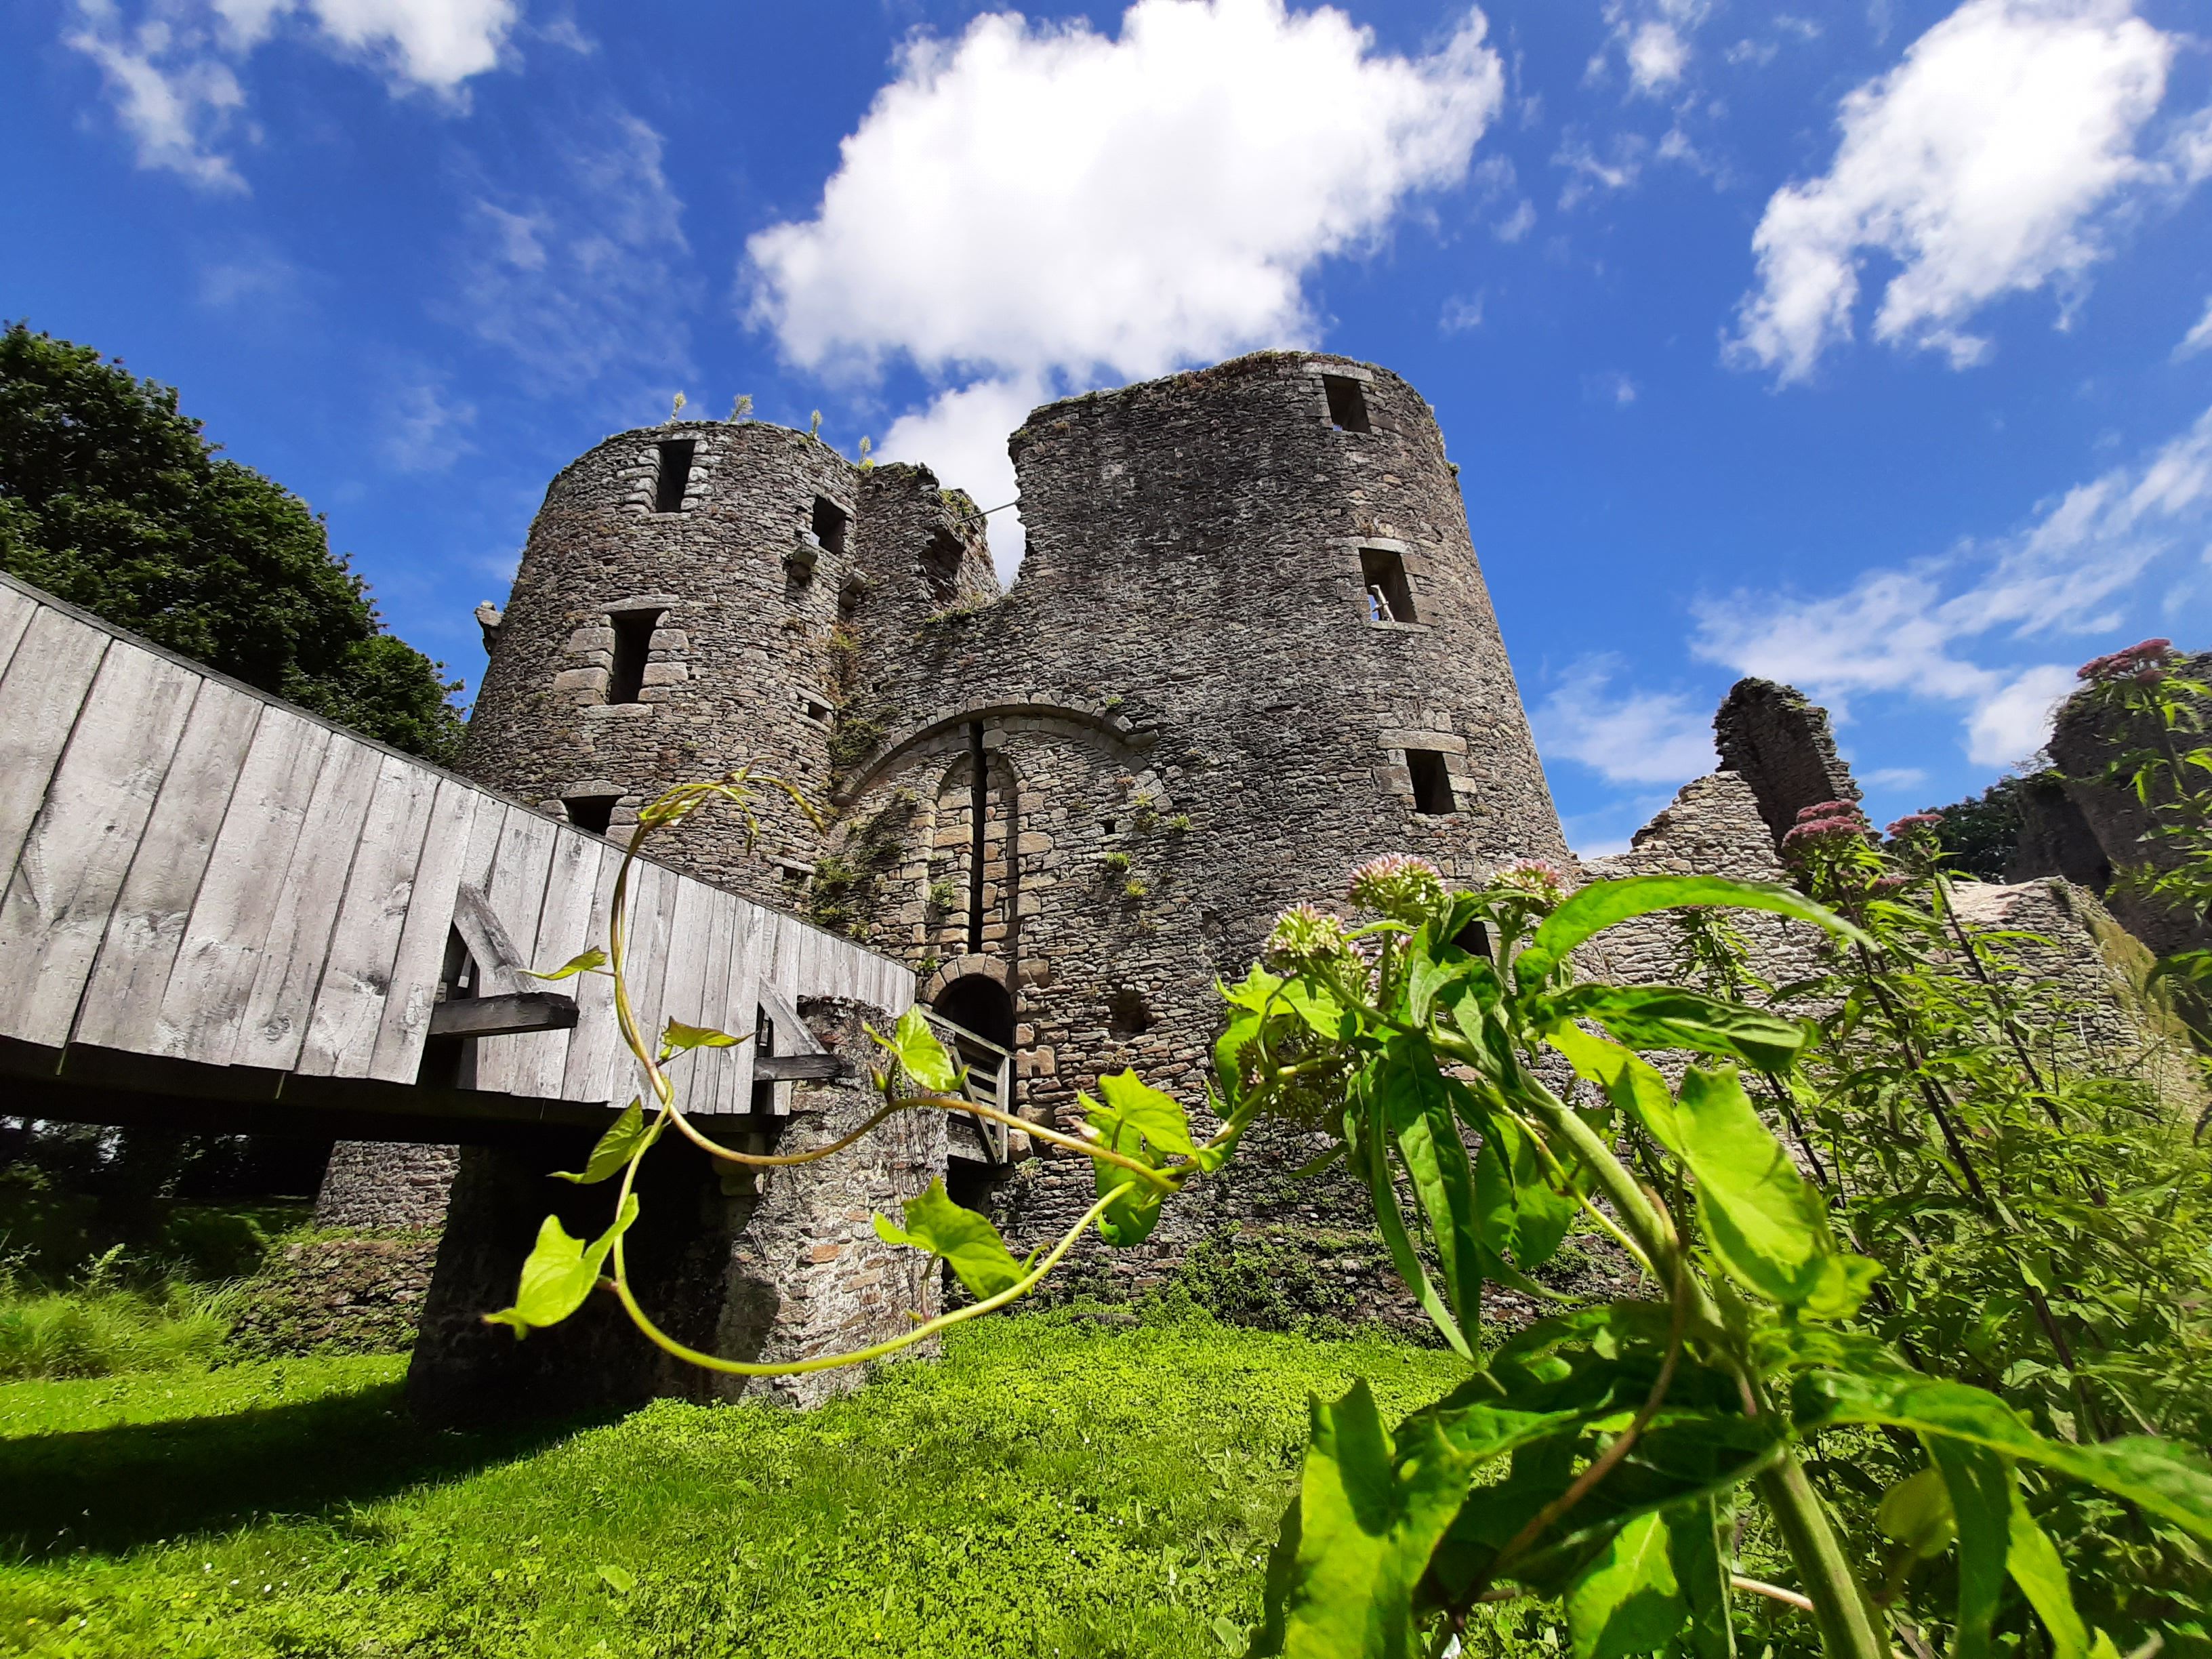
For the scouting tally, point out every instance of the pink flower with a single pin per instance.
(1830, 809)
(1396, 886)
(1912, 821)
(2147, 658)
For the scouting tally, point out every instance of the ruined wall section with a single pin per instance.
(1778, 742)
(742, 578)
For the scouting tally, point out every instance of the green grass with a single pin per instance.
(100, 1331)
(1049, 1486)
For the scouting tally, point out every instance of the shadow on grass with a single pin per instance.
(111, 1489)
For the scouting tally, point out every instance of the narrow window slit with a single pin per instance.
(672, 476)
(1432, 795)
(1389, 597)
(1347, 403)
(633, 649)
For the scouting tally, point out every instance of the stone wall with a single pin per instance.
(385, 1185)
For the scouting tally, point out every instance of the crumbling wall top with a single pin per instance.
(1778, 741)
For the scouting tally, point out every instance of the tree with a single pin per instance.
(113, 500)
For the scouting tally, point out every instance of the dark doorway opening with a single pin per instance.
(633, 649)
(1347, 403)
(978, 1003)
(1389, 598)
(673, 475)
(1432, 795)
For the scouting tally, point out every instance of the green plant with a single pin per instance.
(742, 410)
(1135, 888)
(1604, 1457)
(1115, 863)
(941, 896)
(99, 1328)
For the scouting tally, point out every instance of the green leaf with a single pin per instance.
(1762, 1218)
(966, 1240)
(1132, 1105)
(2032, 1560)
(1518, 1213)
(920, 1055)
(1664, 1017)
(2164, 1477)
(619, 1579)
(1981, 1488)
(1629, 1600)
(1358, 1539)
(588, 962)
(1417, 1101)
(1633, 1084)
(1603, 903)
(560, 1273)
(626, 1138)
(679, 1038)
(1701, 1567)
(1392, 1224)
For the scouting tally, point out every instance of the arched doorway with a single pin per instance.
(978, 1003)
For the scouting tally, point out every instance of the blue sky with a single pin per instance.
(1865, 346)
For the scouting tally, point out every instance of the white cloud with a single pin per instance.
(2015, 722)
(1895, 777)
(1589, 172)
(1462, 313)
(1653, 39)
(592, 279)
(1919, 629)
(1516, 224)
(1030, 198)
(2197, 337)
(425, 425)
(1633, 737)
(1983, 164)
(1612, 388)
(961, 437)
(171, 65)
(1047, 204)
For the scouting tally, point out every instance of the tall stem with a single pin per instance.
(1848, 1627)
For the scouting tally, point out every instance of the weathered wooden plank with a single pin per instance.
(78, 850)
(122, 1007)
(357, 980)
(398, 1055)
(204, 1003)
(41, 697)
(645, 962)
(690, 924)
(275, 1025)
(517, 893)
(504, 1015)
(742, 1000)
(17, 609)
(704, 1081)
(598, 1067)
(563, 926)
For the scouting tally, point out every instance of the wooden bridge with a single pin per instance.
(222, 912)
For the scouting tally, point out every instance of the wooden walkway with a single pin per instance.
(222, 909)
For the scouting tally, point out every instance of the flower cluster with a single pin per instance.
(1532, 878)
(1303, 936)
(1405, 889)
(2145, 664)
(1826, 825)
(1913, 824)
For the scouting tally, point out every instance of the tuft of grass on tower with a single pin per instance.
(1053, 1485)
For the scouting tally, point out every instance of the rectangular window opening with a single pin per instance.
(1432, 795)
(632, 648)
(830, 523)
(1389, 598)
(1347, 403)
(673, 477)
(816, 708)
(592, 812)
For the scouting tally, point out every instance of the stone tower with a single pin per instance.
(1251, 647)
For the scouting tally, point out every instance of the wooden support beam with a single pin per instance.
(503, 1016)
(800, 1068)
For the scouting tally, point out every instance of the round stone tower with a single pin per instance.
(674, 616)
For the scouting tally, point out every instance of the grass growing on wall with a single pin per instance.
(1051, 1486)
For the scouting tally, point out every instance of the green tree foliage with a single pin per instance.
(1979, 834)
(113, 500)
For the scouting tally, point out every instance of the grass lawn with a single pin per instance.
(1051, 1486)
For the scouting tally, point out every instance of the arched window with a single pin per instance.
(978, 1003)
